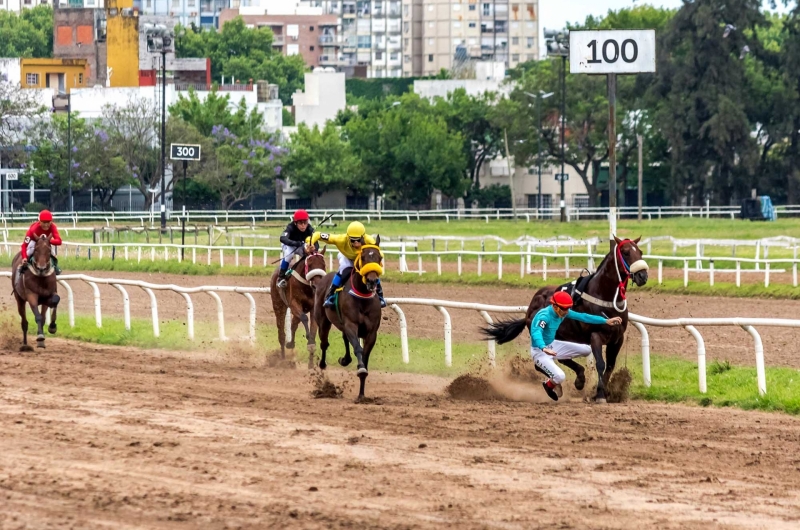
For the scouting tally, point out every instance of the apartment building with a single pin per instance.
(452, 34)
(18, 5)
(201, 13)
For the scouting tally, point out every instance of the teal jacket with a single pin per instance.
(546, 321)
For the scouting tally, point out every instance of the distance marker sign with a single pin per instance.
(184, 152)
(612, 51)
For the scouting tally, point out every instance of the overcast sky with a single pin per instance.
(555, 14)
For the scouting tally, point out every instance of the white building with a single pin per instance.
(18, 5)
(323, 98)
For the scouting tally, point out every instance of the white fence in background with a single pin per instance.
(486, 214)
(639, 322)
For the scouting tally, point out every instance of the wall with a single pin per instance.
(123, 44)
(10, 71)
(74, 72)
(75, 34)
(442, 87)
(323, 98)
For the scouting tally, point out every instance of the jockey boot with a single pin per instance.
(379, 291)
(549, 388)
(283, 276)
(330, 297)
(55, 265)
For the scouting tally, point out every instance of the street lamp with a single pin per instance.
(539, 97)
(160, 39)
(558, 46)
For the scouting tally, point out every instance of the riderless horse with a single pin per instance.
(299, 297)
(357, 311)
(600, 293)
(37, 287)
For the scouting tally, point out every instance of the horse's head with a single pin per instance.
(315, 265)
(632, 260)
(41, 256)
(369, 264)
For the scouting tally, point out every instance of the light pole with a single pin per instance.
(160, 39)
(558, 46)
(539, 97)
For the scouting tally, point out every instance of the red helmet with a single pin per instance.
(562, 300)
(45, 215)
(300, 215)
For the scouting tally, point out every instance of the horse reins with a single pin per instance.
(362, 269)
(623, 284)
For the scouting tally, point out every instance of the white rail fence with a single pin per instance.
(442, 306)
(486, 214)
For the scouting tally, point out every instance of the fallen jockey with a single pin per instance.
(546, 351)
(293, 243)
(349, 245)
(43, 227)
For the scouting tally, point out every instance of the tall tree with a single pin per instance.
(27, 35)
(216, 109)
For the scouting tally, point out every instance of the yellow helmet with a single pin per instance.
(356, 230)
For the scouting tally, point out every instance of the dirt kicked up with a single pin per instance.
(95, 436)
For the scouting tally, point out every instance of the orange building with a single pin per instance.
(60, 75)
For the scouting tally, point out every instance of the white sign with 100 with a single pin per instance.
(612, 51)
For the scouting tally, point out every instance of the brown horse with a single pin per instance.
(357, 313)
(37, 287)
(602, 293)
(299, 297)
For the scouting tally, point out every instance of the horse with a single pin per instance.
(299, 297)
(357, 315)
(37, 287)
(601, 293)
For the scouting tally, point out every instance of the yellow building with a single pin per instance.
(122, 41)
(61, 75)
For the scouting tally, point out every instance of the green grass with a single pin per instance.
(674, 380)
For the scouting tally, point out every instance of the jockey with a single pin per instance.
(293, 242)
(349, 245)
(545, 350)
(43, 227)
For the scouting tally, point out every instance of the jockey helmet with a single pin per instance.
(300, 215)
(562, 300)
(356, 230)
(46, 216)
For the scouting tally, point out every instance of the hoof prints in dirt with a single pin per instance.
(618, 386)
(276, 361)
(471, 388)
(324, 388)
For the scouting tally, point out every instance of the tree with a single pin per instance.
(286, 72)
(101, 167)
(319, 161)
(217, 110)
(27, 35)
(18, 108)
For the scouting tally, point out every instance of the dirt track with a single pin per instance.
(111, 437)
(733, 344)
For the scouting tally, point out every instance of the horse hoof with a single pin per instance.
(601, 401)
(580, 382)
(25, 347)
(345, 361)
(40, 338)
(290, 345)
(40, 345)
(52, 329)
(323, 365)
(362, 371)
(361, 399)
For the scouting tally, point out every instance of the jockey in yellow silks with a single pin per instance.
(349, 245)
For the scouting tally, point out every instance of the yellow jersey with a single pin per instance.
(342, 242)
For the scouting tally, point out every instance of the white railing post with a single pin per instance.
(738, 274)
(711, 273)
(252, 322)
(491, 345)
(70, 303)
(761, 376)
(645, 352)
(153, 311)
(189, 316)
(438, 265)
(685, 273)
(220, 315)
(403, 332)
(448, 328)
(98, 315)
(701, 357)
(766, 274)
(126, 306)
(499, 266)
(660, 271)
(459, 264)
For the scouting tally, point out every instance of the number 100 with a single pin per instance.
(629, 49)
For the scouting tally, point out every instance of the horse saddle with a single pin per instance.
(577, 287)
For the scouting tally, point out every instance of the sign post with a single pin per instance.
(612, 52)
(184, 152)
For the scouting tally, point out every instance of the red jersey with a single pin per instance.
(35, 232)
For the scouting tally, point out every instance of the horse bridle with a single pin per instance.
(365, 268)
(313, 273)
(637, 266)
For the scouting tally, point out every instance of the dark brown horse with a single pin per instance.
(37, 287)
(299, 297)
(602, 293)
(357, 312)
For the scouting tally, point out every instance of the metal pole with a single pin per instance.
(185, 165)
(539, 150)
(563, 126)
(612, 143)
(163, 200)
(639, 141)
(69, 153)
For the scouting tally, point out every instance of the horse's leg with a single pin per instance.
(293, 331)
(53, 304)
(612, 350)
(280, 321)
(597, 349)
(23, 322)
(351, 332)
(33, 301)
(312, 343)
(369, 343)
(580, 371)
(346, 360)
(324, 331)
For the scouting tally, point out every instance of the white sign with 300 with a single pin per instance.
(612, 51)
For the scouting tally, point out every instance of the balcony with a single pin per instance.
(277, 40)
(332, 60)
(329, 40)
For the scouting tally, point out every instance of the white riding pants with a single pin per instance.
(564, 350)
(289, 252)
(32, 245)
(344, 262)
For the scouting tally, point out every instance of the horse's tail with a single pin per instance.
(505, 331)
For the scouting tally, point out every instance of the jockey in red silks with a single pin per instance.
(43, 227)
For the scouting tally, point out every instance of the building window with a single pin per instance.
(405, 10)
(311, 48)
(190, 3)
(472, 24)
(405, 27)
(456, 25)
(431, 24)
(378, 56)
(27, 2)
(515, 57)
(456, 7)
(176, 4)
(406, 40)
(149, 4)
(430, 58)
(529, 44)
(364, 41)
(311, 28)
(487, 9)
(430, 8)
(394, 56)
(407, 59)
(32, 79)
(80, 79)
(472, 7)
(529, 57)
(515, 40)
(430, 42)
